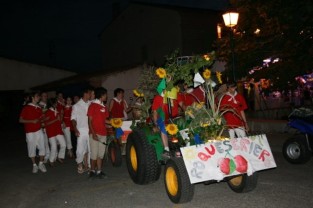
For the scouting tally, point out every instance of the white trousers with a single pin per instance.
(59, 139)
(47, 148)
(35, 140)
(83, 148)
(67, 135)
(239, 132)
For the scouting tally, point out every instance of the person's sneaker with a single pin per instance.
(92, 174)
(166, 155)
(45, 161)
(42, 167)
(102, 175)
(35, 168)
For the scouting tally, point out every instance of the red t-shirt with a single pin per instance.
(67, 116)
(158, 103)
(117, 110)
(60, 107)
(233, 120)
(188, 99)
(199, 93)
(99, 113)
(31, 112)
(55, 128)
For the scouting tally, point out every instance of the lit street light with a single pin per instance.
(230, 20)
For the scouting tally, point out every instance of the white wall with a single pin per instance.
(17, 75)
(127, 80)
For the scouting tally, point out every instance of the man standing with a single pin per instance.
(80, 125)
(32, 118)
(98, 115)
(43, 104)
(235, 105)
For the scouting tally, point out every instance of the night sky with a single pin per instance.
(65, 33)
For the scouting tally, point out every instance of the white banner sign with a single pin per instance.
(219, 159)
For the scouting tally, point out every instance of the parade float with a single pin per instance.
(200, 151)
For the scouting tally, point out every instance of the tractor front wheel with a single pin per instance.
(177, 183)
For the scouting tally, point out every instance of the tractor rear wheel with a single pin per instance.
(141, 159)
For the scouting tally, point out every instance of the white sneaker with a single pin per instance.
(45, 161)
(35, 168)
(42, 167)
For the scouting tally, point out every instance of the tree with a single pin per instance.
(285, 32)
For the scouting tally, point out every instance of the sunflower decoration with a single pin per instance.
(172, 129)
(161, 72)
(116, 122)
(207, 74)
(137, 93)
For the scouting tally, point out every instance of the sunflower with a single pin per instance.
(172, 129)
(161, 73)
(206, 74)
(116, 122)
(219, 77)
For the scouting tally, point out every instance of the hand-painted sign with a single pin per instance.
(219, 159)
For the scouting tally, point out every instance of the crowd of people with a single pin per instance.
(78, 127)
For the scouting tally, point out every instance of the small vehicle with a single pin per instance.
(298, 149)
(144, 159)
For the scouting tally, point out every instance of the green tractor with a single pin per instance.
(144, 160)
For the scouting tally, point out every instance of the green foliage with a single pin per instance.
(286, 32)
(178, 69)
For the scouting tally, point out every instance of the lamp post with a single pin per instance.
(230, 20)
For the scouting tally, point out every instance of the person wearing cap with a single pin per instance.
(234, 106)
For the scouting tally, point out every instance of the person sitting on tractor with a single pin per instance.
(164, 108)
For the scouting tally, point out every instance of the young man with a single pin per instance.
(235, 117)
(118, 106)
(32, 118)
(44, 106)
(98, 115)
(80, 125)
(55, 133)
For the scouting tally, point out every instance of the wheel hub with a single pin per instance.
(293, 151)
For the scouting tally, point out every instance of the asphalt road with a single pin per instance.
(285, 186)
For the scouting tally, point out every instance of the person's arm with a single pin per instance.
(111, 105)
(126, 107)
(74, 122)
(22, 120)
(92, 131)
(243, 116)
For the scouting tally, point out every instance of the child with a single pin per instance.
(32, 118)
(55, 133)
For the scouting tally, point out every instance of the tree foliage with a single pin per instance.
(286, 32)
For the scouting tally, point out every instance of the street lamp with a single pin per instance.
(230, 20)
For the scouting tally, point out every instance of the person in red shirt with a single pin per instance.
(118, 107)
(191, 95)
(32, 118)
(235, 105)
(55, 133)
(67, 125)
(163, 111)
(98, 115)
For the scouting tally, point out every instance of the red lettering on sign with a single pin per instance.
(264, 152)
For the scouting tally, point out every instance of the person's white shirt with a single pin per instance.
(79, 114)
